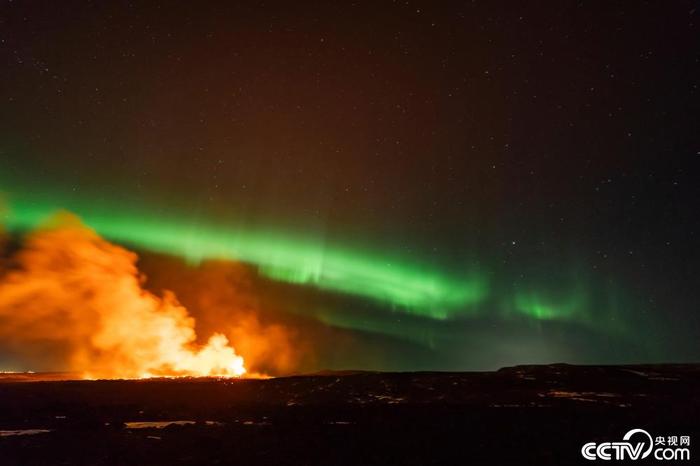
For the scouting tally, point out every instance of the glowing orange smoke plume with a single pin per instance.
(74, 301)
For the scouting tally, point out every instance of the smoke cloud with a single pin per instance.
(72, 301)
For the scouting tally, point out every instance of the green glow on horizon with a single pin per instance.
(406, 287)
(539, 307)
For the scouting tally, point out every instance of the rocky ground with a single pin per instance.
(518, 415)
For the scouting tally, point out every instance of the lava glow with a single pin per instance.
(73, 301)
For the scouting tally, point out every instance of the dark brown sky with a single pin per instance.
(530, 140)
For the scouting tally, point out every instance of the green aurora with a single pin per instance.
(280, 257)
(400, 286)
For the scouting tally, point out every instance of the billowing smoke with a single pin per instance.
(71, 301)
(225, 298)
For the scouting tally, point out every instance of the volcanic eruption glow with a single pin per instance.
(72, 300)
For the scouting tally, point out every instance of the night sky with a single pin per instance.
(406, 185)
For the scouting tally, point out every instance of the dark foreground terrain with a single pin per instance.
(520, 415)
